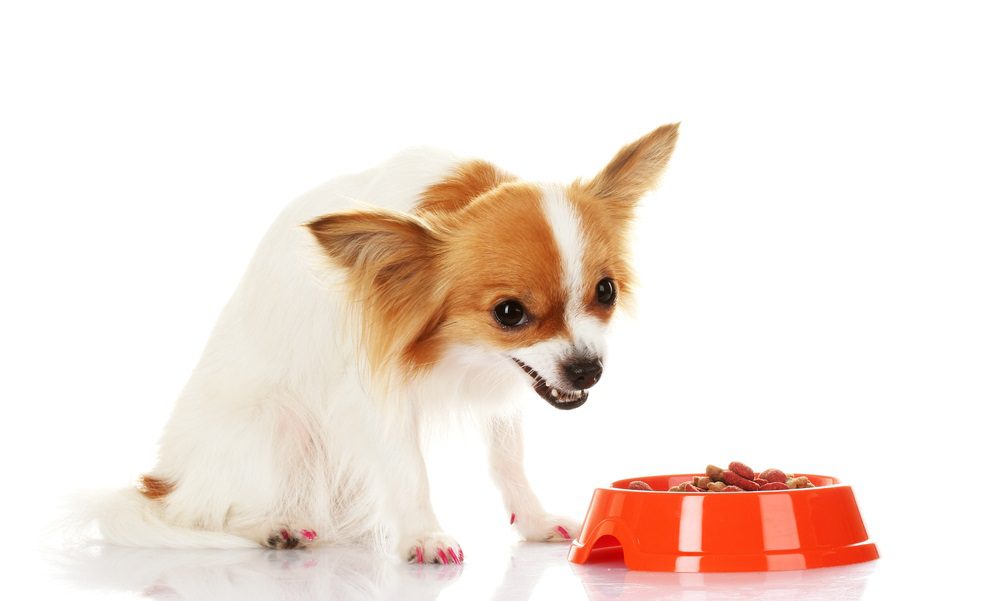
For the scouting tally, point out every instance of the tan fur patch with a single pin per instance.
(502, 248)
(154, 488)
(468, 181)
(605, 234)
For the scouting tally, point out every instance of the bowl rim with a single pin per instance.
(837, 483)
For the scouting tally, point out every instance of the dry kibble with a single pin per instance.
(742, 470)
(774, 486)
(639, 485)
(740, 477)
(773, 475)
(799, 482)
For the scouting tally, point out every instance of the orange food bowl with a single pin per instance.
(724, 532)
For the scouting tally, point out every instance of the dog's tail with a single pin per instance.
(126, 517)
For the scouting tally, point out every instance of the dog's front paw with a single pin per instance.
(432, 547)
(545, 528)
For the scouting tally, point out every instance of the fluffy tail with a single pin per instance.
(125, 517)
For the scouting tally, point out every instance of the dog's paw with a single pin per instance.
(546, 528)
(290, 538)
(433, 547)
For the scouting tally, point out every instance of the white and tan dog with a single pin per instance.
(356, 324)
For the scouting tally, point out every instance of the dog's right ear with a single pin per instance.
(390, 261)
(374, 245)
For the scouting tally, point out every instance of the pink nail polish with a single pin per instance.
(512, 518)
(309, 535)
(563, 532)
(420, 555)
(454, 556)
(461, 555)
(285, 535)
(444, 558)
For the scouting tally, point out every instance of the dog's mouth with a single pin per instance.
(560, 399)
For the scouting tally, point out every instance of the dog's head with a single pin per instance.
(518, 278)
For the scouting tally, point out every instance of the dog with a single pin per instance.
(376, 304)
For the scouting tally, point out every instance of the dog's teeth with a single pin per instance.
(555, 393)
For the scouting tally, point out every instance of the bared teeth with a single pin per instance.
(553, 394)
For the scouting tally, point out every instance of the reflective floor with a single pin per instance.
(520, 571)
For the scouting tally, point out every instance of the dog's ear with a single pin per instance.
(635, 169)
(382, 244)
(389, 259)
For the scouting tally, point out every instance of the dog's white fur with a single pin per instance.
(282, 425)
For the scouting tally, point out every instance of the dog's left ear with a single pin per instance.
(635, 169)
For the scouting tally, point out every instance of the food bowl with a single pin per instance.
(723, 531)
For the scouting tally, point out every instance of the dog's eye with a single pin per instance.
(606, 293)
(510, 314)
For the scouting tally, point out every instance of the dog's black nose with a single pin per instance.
(583, 374)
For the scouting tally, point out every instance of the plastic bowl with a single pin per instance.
(724, 532)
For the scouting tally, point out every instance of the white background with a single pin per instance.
(819, 267)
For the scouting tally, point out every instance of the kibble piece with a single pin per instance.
(639, 485)
(714, 473)
(774, 475)
(799, 482)
(702, 481)
(741, 469)
(688, 487)
(732, 488)
(716, 486)
(774, 486)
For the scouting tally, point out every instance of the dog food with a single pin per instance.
(738, 478)
(637, 485)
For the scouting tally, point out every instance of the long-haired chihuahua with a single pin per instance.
(375, 304)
